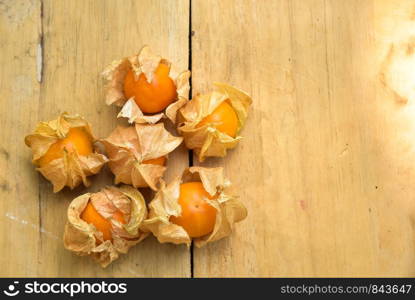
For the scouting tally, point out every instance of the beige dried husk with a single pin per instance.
(144, 62)
(71, 169)
(207, 140)
(128, 147)
(84, 239)
(165, 204)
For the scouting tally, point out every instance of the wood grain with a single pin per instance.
(325, 167)
(321, 167)
(79, 39)
(19, 188)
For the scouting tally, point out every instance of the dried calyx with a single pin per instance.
(63, 151)
(210, 123)
(138, 153)
(172, 214)
(147, 87)
(105, 224)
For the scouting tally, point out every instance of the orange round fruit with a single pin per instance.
(91, 216)
(223, 118)
(77, 140)
(198, 216)
(151, 97)
(161, 161)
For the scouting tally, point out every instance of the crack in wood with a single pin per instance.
(39, 53)
(191, 33)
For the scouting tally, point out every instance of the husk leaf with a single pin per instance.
(165, 204)
(207, 140)
(84, 239)
(129, 147)
(71, 169)
(145, 62)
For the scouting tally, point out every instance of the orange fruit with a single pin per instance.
(198, 216)
(151, 97)
(91, 216)
(223, 118)
(156, 161)
(77, 140)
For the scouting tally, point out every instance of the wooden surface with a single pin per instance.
(79, 39)
(326, 166)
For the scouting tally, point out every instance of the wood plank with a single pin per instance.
(325, 167)
(328, 161)
(19, 219)
(81, 38)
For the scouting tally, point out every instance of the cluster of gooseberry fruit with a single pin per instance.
(154, 96)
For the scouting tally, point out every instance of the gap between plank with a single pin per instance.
(40, 65)
(39, 54)
(190, 97)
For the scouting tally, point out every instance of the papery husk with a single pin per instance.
(207, 140)
(144, 62)
(71, 169)
(84, 239)
(128, 147)
(165, 204)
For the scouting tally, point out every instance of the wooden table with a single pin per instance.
(327, 165)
